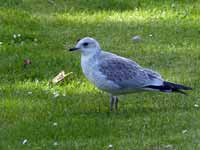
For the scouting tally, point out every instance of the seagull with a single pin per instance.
(118, 75)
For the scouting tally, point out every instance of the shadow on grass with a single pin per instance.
(88, 101)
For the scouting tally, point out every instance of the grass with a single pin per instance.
(79, 117)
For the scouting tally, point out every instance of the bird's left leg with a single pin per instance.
(112, 102)
(116, 102)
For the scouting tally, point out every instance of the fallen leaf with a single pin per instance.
(60, 77)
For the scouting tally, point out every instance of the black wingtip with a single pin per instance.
(176, 86)
(170, 87)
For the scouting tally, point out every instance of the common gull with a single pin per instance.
(118, 75)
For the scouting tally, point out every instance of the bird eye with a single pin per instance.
(85, 44)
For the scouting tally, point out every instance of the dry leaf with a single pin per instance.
(60, 77)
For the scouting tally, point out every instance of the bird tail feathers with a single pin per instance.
(169, 87)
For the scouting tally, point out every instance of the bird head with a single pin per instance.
(87, 46)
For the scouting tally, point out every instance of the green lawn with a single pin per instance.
(74, 115)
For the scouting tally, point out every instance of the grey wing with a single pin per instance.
(152, 74)
(127, 73)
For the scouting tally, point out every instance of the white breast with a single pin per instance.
(91, 71)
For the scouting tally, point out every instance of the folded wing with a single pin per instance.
(127, 73)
